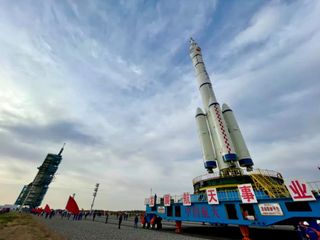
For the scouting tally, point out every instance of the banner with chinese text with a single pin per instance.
(270, 209)
(161, 209)
(151, 201)
(212, 196)
(186, 199)
(167, 200)
(299, 190)
(246, 193)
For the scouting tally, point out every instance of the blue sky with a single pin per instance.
(113, 79)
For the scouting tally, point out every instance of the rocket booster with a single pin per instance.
(205, 140)
(224, 143)
(244, 157)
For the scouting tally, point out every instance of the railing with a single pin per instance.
(227, 195)
(216, 175)
(206, 177)
(177, 198)
(223, 195)
(314, 186)
(265, 172)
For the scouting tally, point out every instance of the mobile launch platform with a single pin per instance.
(233, 192)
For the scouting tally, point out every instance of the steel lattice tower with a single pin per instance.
(33, 193)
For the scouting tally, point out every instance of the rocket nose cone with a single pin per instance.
(225, 107)
(199, 112)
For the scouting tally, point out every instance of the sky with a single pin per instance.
(114, 81)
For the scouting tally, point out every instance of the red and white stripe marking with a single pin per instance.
(222, 129)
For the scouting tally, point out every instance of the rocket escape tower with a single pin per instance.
(33, 193)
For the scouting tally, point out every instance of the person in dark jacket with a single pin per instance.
(120, 220)
(107, 216)
(136, 220)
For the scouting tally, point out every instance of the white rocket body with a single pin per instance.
(242, 151)
(204, 82)
(215, 140)
(208, 153)
(226, 149)
(220, 143)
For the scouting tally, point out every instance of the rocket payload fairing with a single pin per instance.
(222, 143)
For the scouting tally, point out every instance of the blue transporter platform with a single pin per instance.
(295, 203)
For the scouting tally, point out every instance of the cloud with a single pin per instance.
(292, 157)
(262, 25)
(58, 131)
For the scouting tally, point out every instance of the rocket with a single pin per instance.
(223, 145)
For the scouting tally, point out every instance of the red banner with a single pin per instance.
(47, 209)
(72, 206)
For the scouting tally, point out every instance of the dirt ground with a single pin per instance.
(20, 226)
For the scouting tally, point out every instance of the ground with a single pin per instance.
(21, 226)
(17, 226)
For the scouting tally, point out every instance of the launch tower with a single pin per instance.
(33, 193)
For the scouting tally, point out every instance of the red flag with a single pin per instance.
(39, 210)
(47, 209)
(72, 206)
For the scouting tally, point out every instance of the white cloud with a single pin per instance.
(278, 25)
(293, 158)
(262, 25)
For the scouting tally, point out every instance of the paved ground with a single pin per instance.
(87, 229)
(98, 230)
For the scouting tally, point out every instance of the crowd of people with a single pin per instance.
(148, 222)
(153, 221)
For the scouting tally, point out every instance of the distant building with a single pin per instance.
(8, 206)
(32, 194)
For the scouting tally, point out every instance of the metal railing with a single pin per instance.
(314, 186)
(206, 177)
(265, 172)
(215, 175)
(223, 195)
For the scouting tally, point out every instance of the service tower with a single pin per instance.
(33, 193)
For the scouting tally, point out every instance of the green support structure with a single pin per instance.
(33, 194)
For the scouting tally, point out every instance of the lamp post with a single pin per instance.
(94, 195)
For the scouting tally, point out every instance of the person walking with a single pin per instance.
(143, 220)
(159, 223)
(136, 220)
(107, 216)
(120, 220)
(94, 216)
(153, 222)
